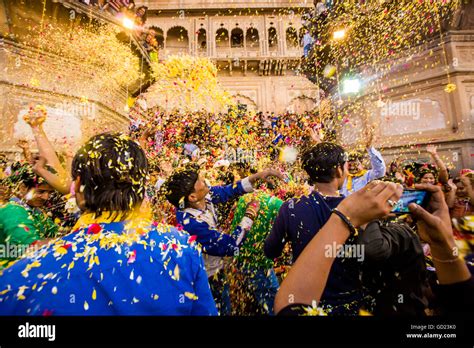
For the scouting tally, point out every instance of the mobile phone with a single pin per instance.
(419, 197)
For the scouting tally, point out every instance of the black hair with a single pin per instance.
(356, 156)
(227, 177)
(23, 173)
(322, 160)
(144, 17)
(180, 185)
(113, 171)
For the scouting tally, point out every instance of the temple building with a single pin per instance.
(256, 45)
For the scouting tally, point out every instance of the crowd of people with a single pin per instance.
(234, 213)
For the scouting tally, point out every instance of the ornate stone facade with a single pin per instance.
(79, 102)
(256, 46)
(415, 108)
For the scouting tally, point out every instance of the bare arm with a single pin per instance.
(307, 278)
(451, 194)
(59, 183)
(35, 118)
(25, 147)
(443, 171)
(265, 176)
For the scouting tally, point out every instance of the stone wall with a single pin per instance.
(66, 88)
(259, 75)
(410, 106)
(272, 93)
(219, 4)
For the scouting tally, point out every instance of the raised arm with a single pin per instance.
(25, 148)
(443, 171)
(376, 160)
(378, 164)
(221, 194)
(61, 184)
(35, 118)
(214, 242)
(307, 278)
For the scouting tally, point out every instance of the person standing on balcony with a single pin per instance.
(307, 43)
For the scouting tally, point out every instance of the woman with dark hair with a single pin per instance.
(140, 15)
(22, 220)
(428, 173)
(115, 262)
(461, 203)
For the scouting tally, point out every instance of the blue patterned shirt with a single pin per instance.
(110, 269)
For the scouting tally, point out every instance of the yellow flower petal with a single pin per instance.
(190, 295)
(176, 273)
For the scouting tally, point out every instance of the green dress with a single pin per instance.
(20, 226)
(251, 255)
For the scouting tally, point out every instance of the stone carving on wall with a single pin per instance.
(466, 55)
(464, 17)
(301, 104)
(245, 100)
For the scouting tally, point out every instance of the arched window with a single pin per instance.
(252, 38)
(222, 38)
(291, 37)
(237, 37)
(202, 39)
(159, 35)
(177, 38)
(272, 39)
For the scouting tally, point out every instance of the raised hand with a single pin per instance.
(434, 224)
(39, 164)
(369, 135)
(266, 176)
(36, 116)
(314, 134)
(371, 202)
(431, 149)
(23, 144)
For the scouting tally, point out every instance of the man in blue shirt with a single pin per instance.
(307, 42)
(300, 219)
(116, 262)
(187, 190)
